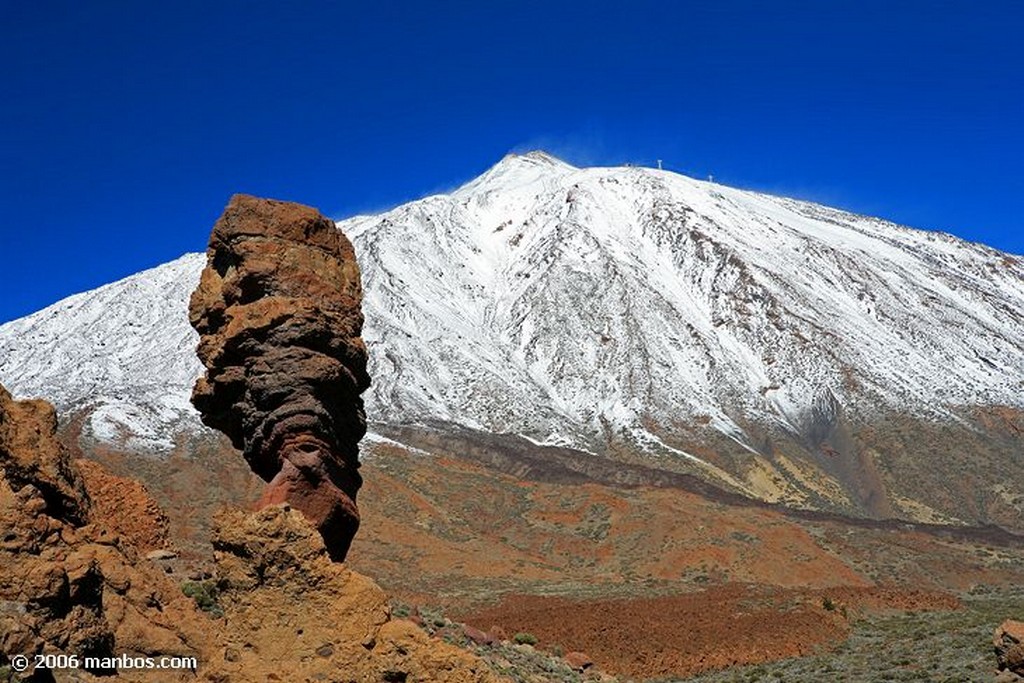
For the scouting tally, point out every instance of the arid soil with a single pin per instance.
(652, 582)
(476, 533)
(723, 626)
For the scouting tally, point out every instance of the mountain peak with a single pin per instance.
(516, 169)
(535, 160)
(538, 156)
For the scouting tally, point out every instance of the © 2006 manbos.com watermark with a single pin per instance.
(122, 662)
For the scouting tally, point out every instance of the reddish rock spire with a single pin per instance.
(279, 318)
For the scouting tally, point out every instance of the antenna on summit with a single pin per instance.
(659, 164)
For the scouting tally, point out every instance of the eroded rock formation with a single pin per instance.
(69, 583)
(278, 313)
(34, 462)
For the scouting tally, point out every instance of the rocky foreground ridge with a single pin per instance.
(72, 583)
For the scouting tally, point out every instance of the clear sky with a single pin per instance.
(126, 125)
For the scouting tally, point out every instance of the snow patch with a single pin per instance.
(375, 438)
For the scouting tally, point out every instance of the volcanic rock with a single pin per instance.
(32, 457)
(290, 607)
(125, 506)
(477, 636)
(161, 555)
(70, 584)
(278, 313)
(1008, 642)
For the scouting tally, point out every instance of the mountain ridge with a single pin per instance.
(753, 339)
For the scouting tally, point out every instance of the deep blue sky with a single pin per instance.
(125, 126)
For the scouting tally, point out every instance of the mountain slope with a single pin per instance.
(126, 350)
(789, 350)
(582, 296)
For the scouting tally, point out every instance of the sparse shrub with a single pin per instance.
(433, 617)
(524, 639)
(204, 594)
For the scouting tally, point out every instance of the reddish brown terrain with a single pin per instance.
(723, 626)
(125, 507)
(610, 569)
(648, 581)
(477, 532)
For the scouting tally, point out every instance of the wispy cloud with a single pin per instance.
(587, 147)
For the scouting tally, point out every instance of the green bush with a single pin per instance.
(524, 639)
(205, 594)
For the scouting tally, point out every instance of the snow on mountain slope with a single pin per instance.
(577, 305)
(565, 302)
(125, 349)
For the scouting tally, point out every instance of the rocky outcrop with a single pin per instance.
(278, 313)
(291, 608)
(70, 584)
(278, 608)
(125, 506)
(33, 460)
(1008, 643)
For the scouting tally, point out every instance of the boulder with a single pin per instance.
(1008, 643)
(578, 660)
(477, 636)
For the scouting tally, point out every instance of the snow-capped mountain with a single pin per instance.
(561, 302)
(586, 306)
